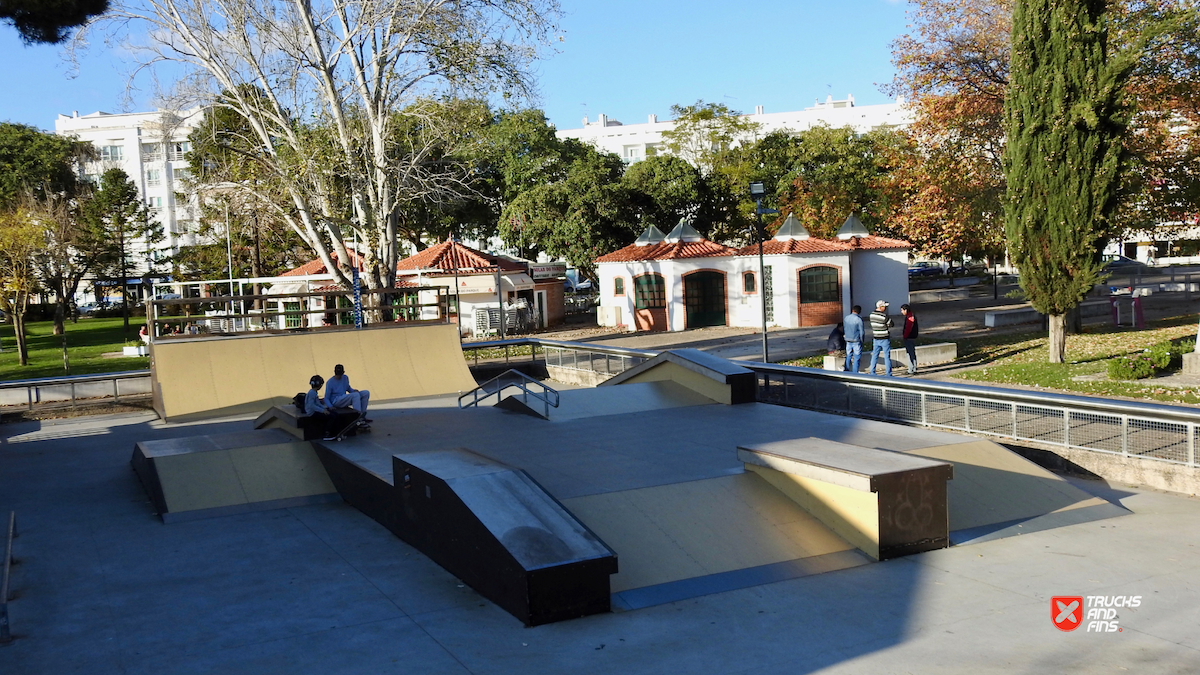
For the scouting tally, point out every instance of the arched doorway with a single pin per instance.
(704, 298)
(820, 291)
(649, 302)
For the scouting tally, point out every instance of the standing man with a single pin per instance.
(909, 333)
(853, 333)
(881, 334)
(339, 393)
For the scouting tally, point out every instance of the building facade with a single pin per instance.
(635, 142)
(682, 280)
(150, 147)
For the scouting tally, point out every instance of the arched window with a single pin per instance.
(650, 292)
(819, 284)
(749, 283)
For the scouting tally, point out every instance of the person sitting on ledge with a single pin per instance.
(340, 394)
(317, 409)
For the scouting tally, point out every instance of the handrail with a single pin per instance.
(522, 382)
(1087, 403)
(72, 381)
(5, 631)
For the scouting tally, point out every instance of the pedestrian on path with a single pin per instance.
(853, 334)
(909, 334)
(881, 334)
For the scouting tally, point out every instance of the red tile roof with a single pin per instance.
(665, 251)
(451, 255)
(879, 243)
(776, 247)
(318, 267)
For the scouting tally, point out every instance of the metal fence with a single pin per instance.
(581, 356)
(1145, 430)
(70, 391)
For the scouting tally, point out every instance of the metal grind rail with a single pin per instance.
(5, 629)
(68, 391)
(1148, 431)
(511, 379)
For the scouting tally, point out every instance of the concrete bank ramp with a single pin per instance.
(997, 493)
(207, 377)
(707, 536)
(223, 474)
(575, 404)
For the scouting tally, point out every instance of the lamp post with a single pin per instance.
(757, 192)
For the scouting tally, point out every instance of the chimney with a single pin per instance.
(585, 120)
(653, 119)
(75, 114)
(602, 120)
(758, 110)
(850, 97)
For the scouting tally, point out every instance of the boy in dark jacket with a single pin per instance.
(909, 333)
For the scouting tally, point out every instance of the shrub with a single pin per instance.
(1160, 355)
(1135, 367)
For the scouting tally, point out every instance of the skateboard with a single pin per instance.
(355, 426)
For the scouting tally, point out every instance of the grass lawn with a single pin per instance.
(86, 341)
(1020, 358)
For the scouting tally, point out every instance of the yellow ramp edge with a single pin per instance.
(851, 514)
(214, 479)
(209, 377)
(993, 484)
(673, 372)
(686, 530)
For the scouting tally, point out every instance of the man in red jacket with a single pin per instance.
(910, 337)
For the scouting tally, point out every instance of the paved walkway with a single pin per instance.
(103, 586)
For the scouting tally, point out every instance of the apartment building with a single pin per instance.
(635, 142)
(151, 148)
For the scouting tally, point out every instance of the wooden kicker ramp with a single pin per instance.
(228, 375)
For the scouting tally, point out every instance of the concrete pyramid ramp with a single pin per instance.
(577, 404)
(996, 492)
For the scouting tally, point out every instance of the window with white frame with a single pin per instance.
(153, 177)
(180, 174)
(155, 203)
(178, 149)
(112, 153)
(152, 152)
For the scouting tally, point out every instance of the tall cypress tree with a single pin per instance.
(1064, 121)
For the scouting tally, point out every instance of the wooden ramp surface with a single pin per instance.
(200, 378)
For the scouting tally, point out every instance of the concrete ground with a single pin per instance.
(103, 586)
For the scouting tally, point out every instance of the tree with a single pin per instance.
(21, 239)
(664, 189)
(1065, 122)
(347, 100)
(581, 217)
(49, 21)
(954, 68)
(703, 131)
(37, 173)
(119, 213)
(833, 172)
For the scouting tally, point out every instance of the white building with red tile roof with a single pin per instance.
(682, 280)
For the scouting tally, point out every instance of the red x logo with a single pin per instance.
(1066, 611)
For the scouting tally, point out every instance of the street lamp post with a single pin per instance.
(757, 192)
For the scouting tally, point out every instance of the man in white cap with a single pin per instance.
(881, 333)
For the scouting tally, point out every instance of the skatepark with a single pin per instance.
(695, 528)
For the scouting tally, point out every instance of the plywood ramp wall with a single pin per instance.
(210, 377)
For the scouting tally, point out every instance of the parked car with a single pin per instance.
(924, 268)
(968, 269)
(1120, 265)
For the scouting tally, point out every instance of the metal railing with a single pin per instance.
(68, 391)
(1133, 429)
(5, 630)
(512, 379)
(583, 356)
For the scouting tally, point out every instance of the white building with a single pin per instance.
(682, 280)
(635, 142)
(150, 147)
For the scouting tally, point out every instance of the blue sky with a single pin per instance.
(623, 58)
